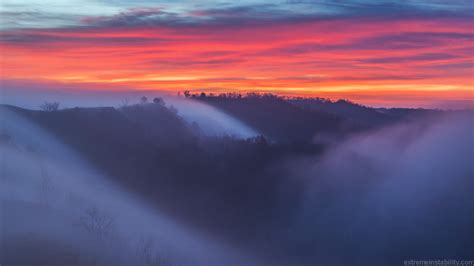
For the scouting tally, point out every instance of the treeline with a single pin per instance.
(253, 95)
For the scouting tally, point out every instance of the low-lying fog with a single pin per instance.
(403, 192)
(397, 193)
(53, 199)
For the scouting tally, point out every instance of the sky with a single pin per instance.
(410, 53)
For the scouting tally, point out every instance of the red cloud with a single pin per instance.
(336, 57)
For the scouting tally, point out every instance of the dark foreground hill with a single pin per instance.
(304, 119)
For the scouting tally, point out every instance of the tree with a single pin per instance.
(96, 222)
(147, 254)
(46, 186)
(123, 103)
(49, 106)
(143, 99)
(187, 94)
(173, 109)
(158, 100)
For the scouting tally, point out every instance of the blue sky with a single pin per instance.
(63, 13)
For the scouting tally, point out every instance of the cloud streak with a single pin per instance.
(297, 48)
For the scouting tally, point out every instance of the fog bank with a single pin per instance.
(399, 193)
(51, 195)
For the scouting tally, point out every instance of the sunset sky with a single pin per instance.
(381, 53)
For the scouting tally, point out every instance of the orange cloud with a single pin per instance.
(396, 62)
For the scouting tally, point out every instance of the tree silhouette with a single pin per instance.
(124, 103)
(158, 100)
(49, 106)
(96, 222)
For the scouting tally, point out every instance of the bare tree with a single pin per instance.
(123, 103)
(145, 250)
(5, 138)
(3, 168)
(147, 255)
(96, 222)
(49, 106)
(158, 100)
(46, 186)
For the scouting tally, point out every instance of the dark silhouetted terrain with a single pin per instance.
(322, 182)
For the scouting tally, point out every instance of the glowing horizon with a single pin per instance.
(375, 53)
